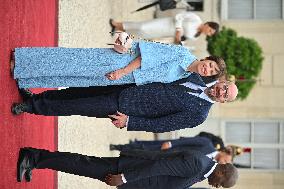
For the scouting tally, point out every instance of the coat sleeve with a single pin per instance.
(172, 183)
(190, 141)
(156, 55)
(172, 122)
(176, 167)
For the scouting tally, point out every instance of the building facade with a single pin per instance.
(258, 121)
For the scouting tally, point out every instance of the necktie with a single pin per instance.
(190, 90)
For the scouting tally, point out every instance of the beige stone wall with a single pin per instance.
(266, 99)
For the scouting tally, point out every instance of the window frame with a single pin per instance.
(225, 12)
(253, 145)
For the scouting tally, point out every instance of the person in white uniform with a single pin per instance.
(186, 25)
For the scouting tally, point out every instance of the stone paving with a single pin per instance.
(84, 23)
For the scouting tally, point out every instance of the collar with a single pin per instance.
(212, 155)
(211, 171)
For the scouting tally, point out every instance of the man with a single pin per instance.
(154, 107)
(201, 144)
(133, 169)
(216, 140)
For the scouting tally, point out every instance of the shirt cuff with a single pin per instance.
(123, 178)
(170, 144)
(127, 120)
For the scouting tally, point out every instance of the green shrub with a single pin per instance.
(243, 57)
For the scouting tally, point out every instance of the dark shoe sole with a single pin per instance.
(20, 174)
(28, 175)
(14, 109)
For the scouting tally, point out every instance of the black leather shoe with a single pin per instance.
(28, 175)
(18, 108)
(25, 94)
(24, 165)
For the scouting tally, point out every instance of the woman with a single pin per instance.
(183, 25)
(83, 67)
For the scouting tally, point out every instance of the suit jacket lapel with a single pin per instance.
(193, 78)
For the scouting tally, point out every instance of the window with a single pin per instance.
(252, 9)
(265, 138)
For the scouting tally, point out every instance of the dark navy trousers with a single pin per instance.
(77, 101)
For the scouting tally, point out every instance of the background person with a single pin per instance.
(186, 24)
(133, 169)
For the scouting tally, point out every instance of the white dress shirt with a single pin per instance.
(212, 155)
(196, 87)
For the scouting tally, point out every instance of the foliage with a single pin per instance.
(243, 57)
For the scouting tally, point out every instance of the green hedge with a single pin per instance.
(243, 57)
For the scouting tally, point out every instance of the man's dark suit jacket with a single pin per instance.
(201, 144)
(163, 170)
(142, 169)
(216, 140)
(159, 107)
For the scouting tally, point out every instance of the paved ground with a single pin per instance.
(84, 23)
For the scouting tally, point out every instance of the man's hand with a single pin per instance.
(116, 75)
(113, 180)
(165, 146)
(119, 119)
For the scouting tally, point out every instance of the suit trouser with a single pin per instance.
(77, 164)
(75, 101)
(84, 92)
(145, 145)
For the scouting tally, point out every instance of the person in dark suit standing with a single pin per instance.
(133, 169)
(201, 144)
(154, 107)
(216, 140)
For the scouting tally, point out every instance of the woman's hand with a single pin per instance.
(116, 75)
